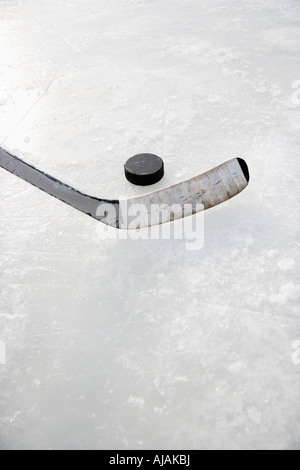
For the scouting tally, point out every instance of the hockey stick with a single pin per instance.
(186, 198)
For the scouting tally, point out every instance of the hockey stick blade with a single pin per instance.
(199, 193)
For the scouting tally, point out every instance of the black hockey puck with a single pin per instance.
(144, 169)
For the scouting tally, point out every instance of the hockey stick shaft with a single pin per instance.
(65, 193)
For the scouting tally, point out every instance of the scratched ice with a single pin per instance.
(119, 344)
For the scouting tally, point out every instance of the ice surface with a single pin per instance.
(142, 344)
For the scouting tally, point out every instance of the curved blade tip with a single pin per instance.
(244, 168)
